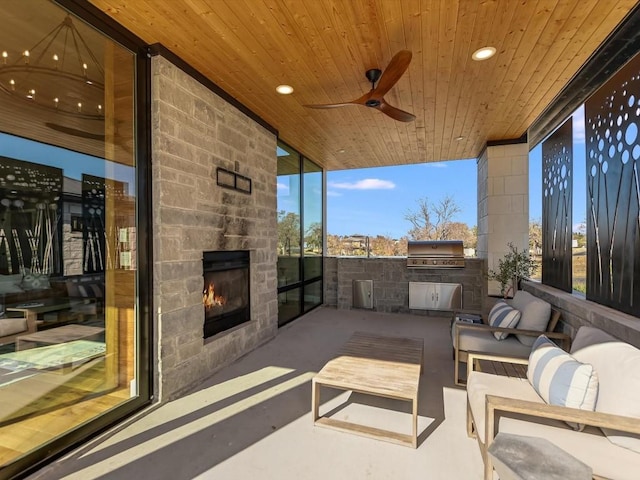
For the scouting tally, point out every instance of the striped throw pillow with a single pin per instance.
(505, 316)
(560, 379)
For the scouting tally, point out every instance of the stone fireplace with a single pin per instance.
(195, 133)
(225, 296)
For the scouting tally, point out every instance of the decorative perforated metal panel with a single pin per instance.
(613, 191)
(557, 201)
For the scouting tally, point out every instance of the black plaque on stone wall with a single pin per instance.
(557, 201)
(613, 191)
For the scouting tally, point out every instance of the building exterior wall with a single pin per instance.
(194, 131)
(503, 203)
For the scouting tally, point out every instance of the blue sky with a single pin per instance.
(579, 175)
(73, 164)
(374, 201)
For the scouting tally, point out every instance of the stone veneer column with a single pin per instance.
(194, 131)
(503, 203)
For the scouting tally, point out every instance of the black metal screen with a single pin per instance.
(557, 200)
(30, 219)
(613, 191)
(93, 234)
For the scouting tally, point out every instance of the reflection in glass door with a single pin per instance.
(68, 231)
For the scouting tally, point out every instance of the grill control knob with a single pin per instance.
(435, 262)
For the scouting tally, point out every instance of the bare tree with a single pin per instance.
(433, 221)
(461, 231)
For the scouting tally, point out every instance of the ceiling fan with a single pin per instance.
(375, 97)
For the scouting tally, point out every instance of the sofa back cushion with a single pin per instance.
(560, 379)
(587, 336)
(502, 315)
(535, 314)
(11, 326)
(10, 284)
(617, 365)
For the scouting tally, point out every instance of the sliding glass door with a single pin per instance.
(70, 234)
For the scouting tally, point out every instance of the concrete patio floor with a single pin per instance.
(252, 420)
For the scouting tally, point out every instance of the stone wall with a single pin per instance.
(193, 132)
(577, 311)
(391, 279)
(503, 203)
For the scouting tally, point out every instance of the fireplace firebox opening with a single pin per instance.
(225, 296)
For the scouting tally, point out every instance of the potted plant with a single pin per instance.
(513, 267)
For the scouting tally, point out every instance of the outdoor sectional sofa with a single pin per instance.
(511, 405)
(536, 316)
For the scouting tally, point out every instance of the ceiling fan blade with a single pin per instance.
(358, 101)
(395, 113)
(330, 105)
(397, 66)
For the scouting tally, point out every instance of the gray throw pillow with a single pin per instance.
(534, 314)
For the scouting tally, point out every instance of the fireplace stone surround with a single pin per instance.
(194, 131)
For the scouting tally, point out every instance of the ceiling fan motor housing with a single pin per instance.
(373, 75)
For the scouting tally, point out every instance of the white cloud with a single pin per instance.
(331, 193)
(437, 164)
(366, 184)
(282, 188)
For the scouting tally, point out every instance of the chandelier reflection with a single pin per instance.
(59, 73)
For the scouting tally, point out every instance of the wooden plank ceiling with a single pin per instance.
(323, 48)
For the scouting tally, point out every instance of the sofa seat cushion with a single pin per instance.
(481, 341)
(481, 384)
(534, 314)
(589, 446)
(619, 376)
(11, 326)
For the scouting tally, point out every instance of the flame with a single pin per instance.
(210, 299)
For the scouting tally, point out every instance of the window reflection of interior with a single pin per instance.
(67, 238)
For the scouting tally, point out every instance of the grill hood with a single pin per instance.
(435, 254)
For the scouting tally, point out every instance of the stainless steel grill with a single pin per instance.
(435, 254)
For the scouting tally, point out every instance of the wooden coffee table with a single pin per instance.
(57, 335)
(376, 365)
(31, 310)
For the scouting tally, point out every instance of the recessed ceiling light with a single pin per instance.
(284, 89)
(342, 150)
(483, 53)
(459, 138)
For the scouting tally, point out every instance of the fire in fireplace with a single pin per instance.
(225, 296)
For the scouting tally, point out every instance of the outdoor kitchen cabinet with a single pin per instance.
(435, 296)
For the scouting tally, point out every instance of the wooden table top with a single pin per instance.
(62, 334)
(376, 364)
(44, 305)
